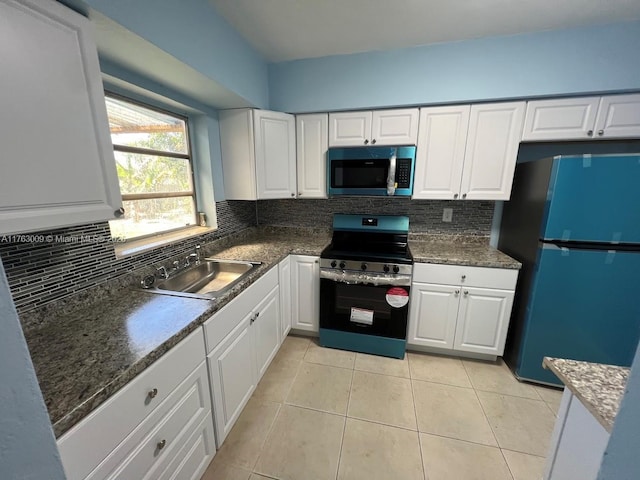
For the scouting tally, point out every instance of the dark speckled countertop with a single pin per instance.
(84, 356)
(598, 386)
(453, 250)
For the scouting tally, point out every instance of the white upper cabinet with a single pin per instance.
(583, 118)
(58, 166)
(258, 154)
(312, 141)
(618, 117)
(491, 151)
(440, 155)
(468, 152)
(560, 119)
(378, 127)
(395, 127)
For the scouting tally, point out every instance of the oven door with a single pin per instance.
(380, 310)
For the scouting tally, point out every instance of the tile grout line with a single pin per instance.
(344, 427)
(415, 412)
(489, 423)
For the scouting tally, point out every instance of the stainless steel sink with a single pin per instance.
(209, 279)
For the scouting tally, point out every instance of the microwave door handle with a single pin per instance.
(391, 177)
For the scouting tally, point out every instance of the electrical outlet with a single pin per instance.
(447, 215)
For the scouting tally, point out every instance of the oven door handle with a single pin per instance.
(361, 278)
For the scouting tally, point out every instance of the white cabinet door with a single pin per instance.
(395, 127)
(238, 154)
(275, 139)
(312, 141)
(266, 326)
(492, 147)
(483, 320)
(58, 167)
(305, 292)
(349, 129)
(284, 281)
(442, 137)
(232, 368)
(618, 117)
(432, 315)
(560, 119)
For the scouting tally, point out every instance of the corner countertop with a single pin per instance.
(84, 355)
(598, 386)
(453, 250)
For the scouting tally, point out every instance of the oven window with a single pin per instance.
(362, 296)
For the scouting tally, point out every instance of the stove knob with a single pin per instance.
(333, 264)
(342, 265)
(386, 269)
(396, 269)
(363, 267)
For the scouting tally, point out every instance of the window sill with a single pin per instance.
(136, 247)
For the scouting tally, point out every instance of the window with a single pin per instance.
(153, 161)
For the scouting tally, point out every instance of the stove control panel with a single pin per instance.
(369, 267)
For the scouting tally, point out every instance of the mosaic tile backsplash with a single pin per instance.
(40, 273)
(425, 216)
(75, 259)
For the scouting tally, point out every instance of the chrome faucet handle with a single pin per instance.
(176, 265)
(162, 272)
(187, 260)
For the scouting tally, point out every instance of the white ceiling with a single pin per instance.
(292, 29)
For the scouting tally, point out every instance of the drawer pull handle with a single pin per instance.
(153, 393)
(466, 292)
(161, 444)
(463, 277)
(457, 292)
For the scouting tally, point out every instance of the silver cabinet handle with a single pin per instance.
(161, 444)
(600, 133)
(463, 277)
(299, 194)
(457, 292)
(293, 194)
(464, 195)
(373, 141)
(455, 195)
(590, 133)
(466, 292)
(119, 212)
(153, 393)
(366, 141)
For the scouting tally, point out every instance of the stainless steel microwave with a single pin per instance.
(373, 171)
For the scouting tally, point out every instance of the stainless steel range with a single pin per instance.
(365, 278)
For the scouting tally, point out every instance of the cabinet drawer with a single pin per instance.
(224, 321)
(89, 442)
(192, 460)
(465, 275)
(140, 454)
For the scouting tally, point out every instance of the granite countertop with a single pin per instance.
(453, 250)
(599, 387)
(84, 355)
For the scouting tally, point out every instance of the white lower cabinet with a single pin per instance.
(461, 308)
(305, 292)
(242, 339)
(577, 444)
(284, 281)
(141, 431)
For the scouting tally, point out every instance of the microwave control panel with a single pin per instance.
(403, 172)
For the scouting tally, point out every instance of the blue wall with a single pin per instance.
(194, 33)
(621, 460)
(27, 445)
(594, 59)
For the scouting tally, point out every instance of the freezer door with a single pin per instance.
(594, 198)
(583, 306)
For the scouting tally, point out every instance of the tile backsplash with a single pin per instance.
(425, 216)
(40, 273)
(75, 259)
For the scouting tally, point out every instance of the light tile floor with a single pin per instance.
(324, 414)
